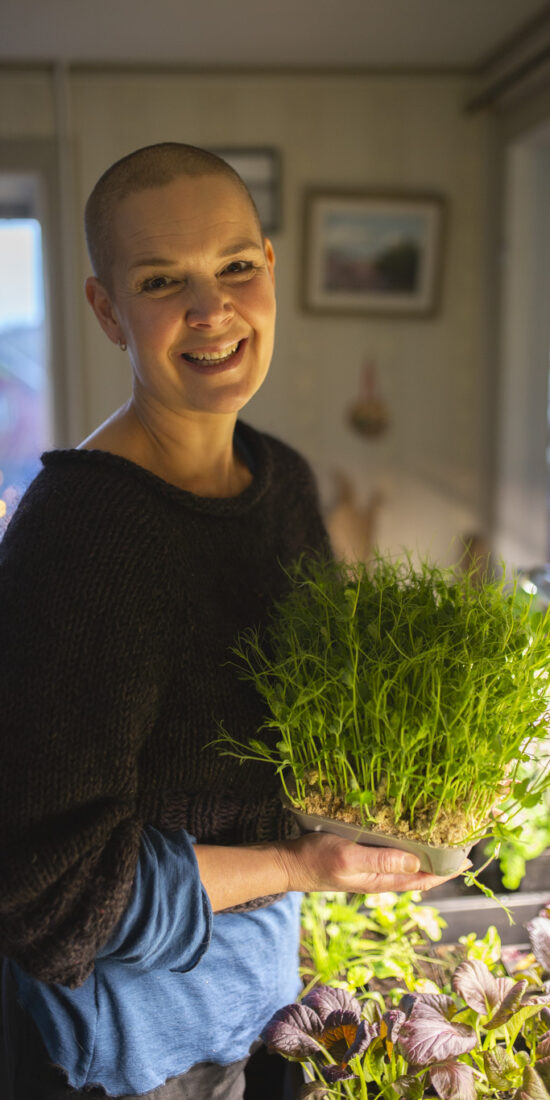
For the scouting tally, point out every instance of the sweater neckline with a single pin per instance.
(254, 443)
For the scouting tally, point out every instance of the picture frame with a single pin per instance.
(372, 253)
(260, 168)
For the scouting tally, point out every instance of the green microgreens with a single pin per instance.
(414, 685)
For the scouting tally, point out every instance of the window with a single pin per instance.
(25, 398)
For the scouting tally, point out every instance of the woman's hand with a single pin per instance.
(322, 861)
(316, 861)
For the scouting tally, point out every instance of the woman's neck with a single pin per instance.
(196, 454)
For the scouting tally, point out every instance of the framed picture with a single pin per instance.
(260, 168)
(376, 254)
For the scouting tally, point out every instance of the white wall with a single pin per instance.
(354, 131)
(26, 105)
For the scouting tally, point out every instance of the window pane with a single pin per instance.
(24, 404)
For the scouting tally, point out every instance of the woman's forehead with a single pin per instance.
(189, 209)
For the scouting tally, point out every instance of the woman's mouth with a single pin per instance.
(209, 362)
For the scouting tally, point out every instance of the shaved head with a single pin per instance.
(152, 166)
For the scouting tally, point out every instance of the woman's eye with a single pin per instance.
(239, 267)
(158, 282)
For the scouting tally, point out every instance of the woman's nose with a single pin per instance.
(208, 305)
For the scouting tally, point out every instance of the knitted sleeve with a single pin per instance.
(82, 618)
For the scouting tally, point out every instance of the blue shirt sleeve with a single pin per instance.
(167, 923)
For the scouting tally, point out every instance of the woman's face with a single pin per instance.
(193, 295)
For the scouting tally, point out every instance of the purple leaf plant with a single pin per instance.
(485, 1035)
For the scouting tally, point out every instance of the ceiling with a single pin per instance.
(318, 34)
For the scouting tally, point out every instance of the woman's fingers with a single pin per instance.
(321, 861)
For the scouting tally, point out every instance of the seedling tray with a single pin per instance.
(438, 861)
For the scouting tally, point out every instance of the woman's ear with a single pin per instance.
(270, 257)
(103, 309)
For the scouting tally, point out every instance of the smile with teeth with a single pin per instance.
(213, 357)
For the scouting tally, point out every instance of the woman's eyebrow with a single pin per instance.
(228, 250)
(240, 246)
(152, 261)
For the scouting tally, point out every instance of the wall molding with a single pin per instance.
(519, 67)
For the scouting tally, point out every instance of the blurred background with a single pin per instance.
(422, 404)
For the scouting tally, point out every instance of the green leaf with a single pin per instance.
(359, 798)
(515, 1023)
(520, 789)
(281, 746)
(500, 1068)
(410, 1086)
(358, 976)
(488, 949)
(531, 800)
(260, 746)
(512, 866)
(429, 920)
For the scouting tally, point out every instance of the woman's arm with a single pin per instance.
(82, 653)
(316, 861)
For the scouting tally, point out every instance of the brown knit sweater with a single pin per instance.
(120, 597)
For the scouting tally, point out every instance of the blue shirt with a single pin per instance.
(175, 985)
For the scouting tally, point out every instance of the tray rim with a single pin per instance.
(433, 858)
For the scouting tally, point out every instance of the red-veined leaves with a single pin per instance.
(293, 1031)
(543, 1046)
(453, 1081)
(324, 1000)
(511, 1004)
(429, 1036)
(538, 931)
(542, 1066)
(473, 981)
(532, 1086)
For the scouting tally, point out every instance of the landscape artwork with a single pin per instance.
(372, 254)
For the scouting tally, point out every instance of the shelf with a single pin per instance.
(476, 913)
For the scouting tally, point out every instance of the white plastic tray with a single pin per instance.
(438, 861)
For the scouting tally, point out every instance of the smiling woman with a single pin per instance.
(149, 910)
(193, 299)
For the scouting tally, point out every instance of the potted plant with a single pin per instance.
(400, 703)
(482, 1033)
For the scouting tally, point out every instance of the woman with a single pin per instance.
(149, 908)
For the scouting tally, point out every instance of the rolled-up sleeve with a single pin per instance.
(167, 923)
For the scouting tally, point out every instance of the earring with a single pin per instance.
(122, 345)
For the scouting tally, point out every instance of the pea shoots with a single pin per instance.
(403, 698)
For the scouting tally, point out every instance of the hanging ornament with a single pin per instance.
(368, 415)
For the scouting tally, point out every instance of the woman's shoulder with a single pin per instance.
(81, 511)
(92, 485)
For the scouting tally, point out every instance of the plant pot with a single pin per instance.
(437, 861)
